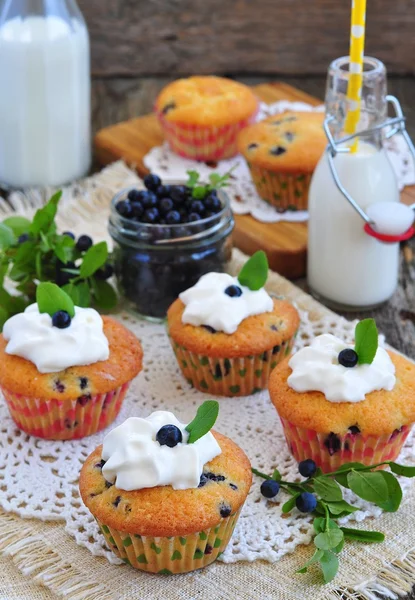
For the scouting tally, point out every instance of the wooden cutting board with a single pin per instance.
(285, 243)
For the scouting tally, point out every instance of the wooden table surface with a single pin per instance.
(118, 99)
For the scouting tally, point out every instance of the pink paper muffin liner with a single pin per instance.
(56, 419)
(330, 450)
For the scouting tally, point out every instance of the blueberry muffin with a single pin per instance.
(173, 515)
(201, 116)
(282, 152)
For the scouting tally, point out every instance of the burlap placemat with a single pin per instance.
(41, 561)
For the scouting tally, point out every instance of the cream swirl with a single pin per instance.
(316, 368)
(32, 336)
(208, 304)
(135, 459)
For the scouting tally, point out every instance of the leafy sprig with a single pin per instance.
(254, 273)
(33, 251)
(366, 341)
(377, 486)
(205, 418)
(201, 190)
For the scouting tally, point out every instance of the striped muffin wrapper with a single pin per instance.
(206, 143)
(171, 555)
(230, 376)
(285, 191)
(330, 450)
(55, 419)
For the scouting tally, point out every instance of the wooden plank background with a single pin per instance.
(158, 37)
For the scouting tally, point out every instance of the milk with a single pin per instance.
(345, 265)
(44, 101)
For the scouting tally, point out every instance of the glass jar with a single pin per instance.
(347, 269)
(155, 263)
(45, 134)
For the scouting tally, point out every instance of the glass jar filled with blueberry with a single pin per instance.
(167, 237)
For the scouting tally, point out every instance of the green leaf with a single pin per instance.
(366, 341)
(105, 295)
(63, 248)
(340, 547)
(329, 565)
(394, 490)
(84, 294)
(204, 420)
(327, 489)
(276, 476)
(4, 315)
(18, 225)
(93, 259)
(369, 486)
(360, 535)
(315, 558)
(193, 178)
(72, 290)
(319, 524)
(7, 237)
(44, 217)
(326, 540)
(343, 470)
(199, 192)
(215, 179)
(50, 298)
(254, 273)
(289, 505)
(338, 508)
(403, 470)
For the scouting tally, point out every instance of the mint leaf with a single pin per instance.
(215, 179)
(394, 492)
(93, 259)
(369, 486)
(44, 217)
(18, 225)
(315, 558)
(199, 192)
(50, 298)
(366, 341)
(403, 470)
(193, 178)
(289, 505)
(328, 539)
(105, 295)
(7, 237)
(204, 420)
(363, 536)
(329, 565)
(254, 273)
(327, 489)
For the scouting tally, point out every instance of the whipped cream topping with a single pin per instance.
(135, 459)
(207, 304)
(32, 336)
(316, 368)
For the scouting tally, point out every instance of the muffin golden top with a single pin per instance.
(293, 142)
(380, 413)
(206, 100)
(254, 335)
(21, 376)
(162, 511)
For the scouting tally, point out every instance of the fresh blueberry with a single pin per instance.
(173, 217)
(84, 243)
(137, 209)
(178, 194)
(69, 234)
(163, 191)
(105, 272)
(23, 238)
(198, 207)
(270, 488)
(123, 208)
(152, 182)
(149, 200)
(61, 319)
(135, 195)
(180, 232)
(348, 358)
(193, 217)
(234, 291)
(213, 203)
(151, 215)
(165, 205)
(306, 502)
(307, 468)
(169, 435)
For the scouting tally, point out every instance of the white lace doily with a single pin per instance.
(39, 478)
(242, 192)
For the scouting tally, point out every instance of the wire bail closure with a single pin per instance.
(396, 125)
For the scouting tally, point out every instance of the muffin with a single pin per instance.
(282, 152)
(171, 507)
(227, 338)
(66, 383)
(334, 412)
(202, 116)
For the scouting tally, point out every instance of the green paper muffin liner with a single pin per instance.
(170, 555)
(285, 191)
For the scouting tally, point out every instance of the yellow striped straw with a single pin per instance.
(357, 48)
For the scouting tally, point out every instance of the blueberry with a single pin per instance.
(180, 232)
(277, 150)
(137, 209)
(178, 194)
(61, 319)
(117, 501)
(100, 464)
(152, 182)
(69, 234)
(332, 443)
(348, 358)
(83, 382)
(307, 467)
(252, 146)
(151, 215)
(84, 243)
(149, 200)
(165, 205)
(105, 272)
(224, 510)
(169, 435)
(354, 430)
(306, 502)
(209, 328)
(198, 207)
(123, 208)
(233, 486)
(234, 291)
(83, 400)
(58, 386)
(168, 107)
(203, 480)
(135, 195)
(23, 238)
(193, 217)
(213, 203)
(62, 277)
(173, 217)
(270, 488)
(163, 191)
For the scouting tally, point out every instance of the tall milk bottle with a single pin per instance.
(45, 134)
(348, 269)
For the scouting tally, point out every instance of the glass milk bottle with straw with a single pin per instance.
(45, 93)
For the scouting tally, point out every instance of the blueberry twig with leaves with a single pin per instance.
(216, 181)
(321, 494)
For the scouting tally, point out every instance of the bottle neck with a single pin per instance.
(64, 9)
